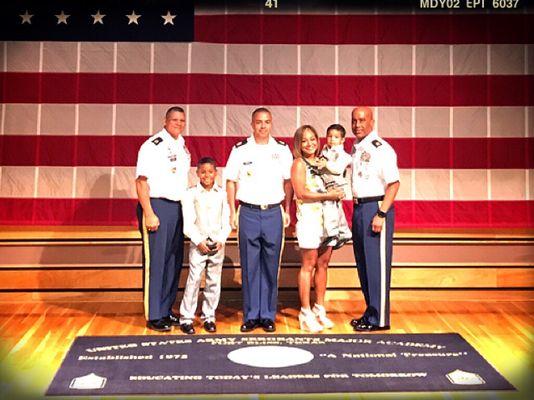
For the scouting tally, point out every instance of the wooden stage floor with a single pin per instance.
(35, 336)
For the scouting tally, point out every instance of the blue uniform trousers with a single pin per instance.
(260, 244)
(373, 252)
(162, 258)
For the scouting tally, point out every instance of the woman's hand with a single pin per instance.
(335, 194)
(320, 163)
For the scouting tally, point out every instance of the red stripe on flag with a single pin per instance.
(126, 151)
(59, 88)
(443, 153)
(510, 153)
(21, 87)
(18, 150)
(134, 88)
(57, 150)
(365, 29)
(97, 88)
(314, 90)
(96, 150)
(409, 214)
(24, 211)
(466, 150)
(432, 152)
(170, 88)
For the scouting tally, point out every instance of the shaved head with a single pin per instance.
(368, 111)
(362, 122)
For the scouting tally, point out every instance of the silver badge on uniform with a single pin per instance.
(365, 157)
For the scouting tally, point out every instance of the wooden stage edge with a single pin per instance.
(8, 232)
(58, 264)
(285, 297)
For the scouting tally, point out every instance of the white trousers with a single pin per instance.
(335, 222)
(212, 289)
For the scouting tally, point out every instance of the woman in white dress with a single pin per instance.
(310, 192)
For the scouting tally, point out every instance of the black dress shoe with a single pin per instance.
(268, 325)
(187, 328)
(160, 325)
(355, 321)
(250, 325)
(365, 326)
(173, 319)
(209, 326)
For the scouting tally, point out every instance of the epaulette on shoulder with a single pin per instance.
(376, 143)
(157, 141)
(280, 142)
(241, 143)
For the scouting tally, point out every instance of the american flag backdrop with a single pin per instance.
(453, 92)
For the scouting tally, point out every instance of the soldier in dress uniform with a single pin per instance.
(258, 175)
(162, 178)
(375, 183)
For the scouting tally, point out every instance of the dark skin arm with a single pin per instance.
(389, 197)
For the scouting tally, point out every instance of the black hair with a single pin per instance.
(174, 109)
(261, 109)
(337, 127)
(207, 160)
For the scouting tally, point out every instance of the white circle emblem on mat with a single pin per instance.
(270, 356)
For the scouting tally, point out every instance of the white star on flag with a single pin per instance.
(26, 17)
(168, 18)
(62, 18)
(98, 18)
(133, 17)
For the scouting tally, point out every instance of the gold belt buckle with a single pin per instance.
(264, 207)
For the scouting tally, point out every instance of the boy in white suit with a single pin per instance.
(207, 224)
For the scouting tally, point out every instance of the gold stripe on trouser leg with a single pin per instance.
(237, 234)
(383, 275)
(281, 249)
(146, 249)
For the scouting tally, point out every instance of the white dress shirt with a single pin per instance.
(165, 162)
(337, 159)
(206, 214)
(374, 166)
(259, 170)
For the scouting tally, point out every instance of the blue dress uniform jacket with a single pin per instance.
(260, 171)
(165, 162)
(374, 166)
